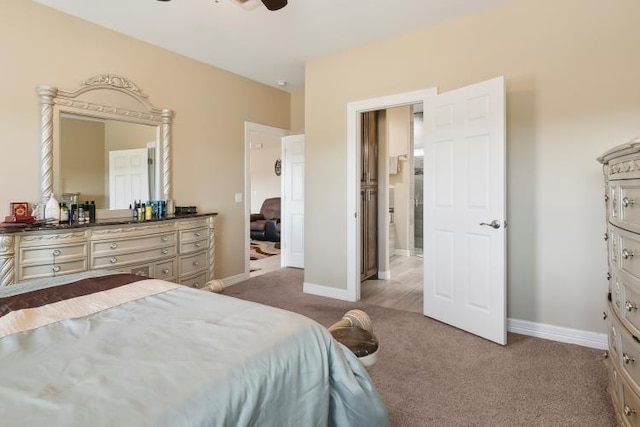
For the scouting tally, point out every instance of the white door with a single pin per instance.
(465, 214)
(128, 177)
(293, 201)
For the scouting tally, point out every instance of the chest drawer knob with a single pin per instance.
(629, 306)
(606, 198)
(197, 233)
(627, 359)
(165, 238)
(606, 237)
(626, 254)
(113, 246)
(626, 202)
(165, 251)
(197, 245)
(606, 354)
(196, 263)
(604, 315)
(628, 411)
(113, 260)
(165, 271)
(56, 252)
(56, 269)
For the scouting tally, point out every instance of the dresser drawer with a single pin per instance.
(165, 270)
(628, 201)
(36, 271)
(614, 339)
(116, 260)
(192, 263)
(193, 234)
(197, 281)
(116, 246)
(630, 357)
(49, 254)
(630, 406)
(628, 253)
(193, 246)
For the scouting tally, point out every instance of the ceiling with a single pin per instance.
(269, 47)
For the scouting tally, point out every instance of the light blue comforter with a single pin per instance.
(184, 358)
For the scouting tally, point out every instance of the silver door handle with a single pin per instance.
(493, 224)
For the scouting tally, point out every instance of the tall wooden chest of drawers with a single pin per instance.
(621, 167)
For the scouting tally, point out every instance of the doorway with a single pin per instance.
(263, 150)
(398, 279)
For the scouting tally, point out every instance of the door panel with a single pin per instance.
(465, 277)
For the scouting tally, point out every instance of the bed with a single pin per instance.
(116, 349)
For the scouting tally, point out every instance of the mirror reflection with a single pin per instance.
(108, 161)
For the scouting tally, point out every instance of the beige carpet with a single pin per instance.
(430, 374)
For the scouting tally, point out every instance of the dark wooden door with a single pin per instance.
(369, 197)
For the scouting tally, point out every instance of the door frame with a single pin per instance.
(249, 128)
(353, 176)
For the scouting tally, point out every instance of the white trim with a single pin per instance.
(558, 333)
(384, 275)
(250, 127)
(402, 252)
(326, 291)
(353, 173)
(234, 280)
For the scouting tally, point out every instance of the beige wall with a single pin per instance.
(264, 181)
(572, 73)
(297, 112)
(43, 46)
(399, 137)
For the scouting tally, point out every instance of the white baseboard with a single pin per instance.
(384, 275)
(558, 333)
(233, 280)
(402, 252)
(326, 291)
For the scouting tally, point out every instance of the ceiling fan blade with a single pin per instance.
(274, 4)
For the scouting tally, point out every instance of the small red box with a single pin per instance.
(20, 208)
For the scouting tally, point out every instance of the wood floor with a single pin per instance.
(403, 291)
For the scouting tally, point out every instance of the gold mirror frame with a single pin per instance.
(53, 102)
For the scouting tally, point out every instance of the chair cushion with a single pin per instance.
(258, 225)
(271, 208)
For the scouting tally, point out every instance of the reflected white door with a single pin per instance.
(464, 182)
(128, 177)
(293, 201)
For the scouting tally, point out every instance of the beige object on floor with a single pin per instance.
(355, 331)
(216, 286)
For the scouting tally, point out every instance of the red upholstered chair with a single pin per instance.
(266, 224)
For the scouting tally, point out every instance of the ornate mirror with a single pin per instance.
(104, 142)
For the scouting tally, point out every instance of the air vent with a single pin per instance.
(247, 4)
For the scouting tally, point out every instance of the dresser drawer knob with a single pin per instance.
(606, 198)
(627, 359)
(113, 246)
(626, 254)
(165, 238)
(629, 306)
(608, 276)
(626, 202)
(604, 315)
(165, 251)
(628, 411)
(56, 252)
(606, 354)
(197, 233)
(606, 237)
(113, 260)
(56, 268)
(196, 263)
(165, 271)
(197, 245)
(195, 285)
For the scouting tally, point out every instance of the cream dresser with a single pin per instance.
(621, 166)
(177, 249)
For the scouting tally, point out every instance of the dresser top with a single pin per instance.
(11, 228)
(631, 147)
